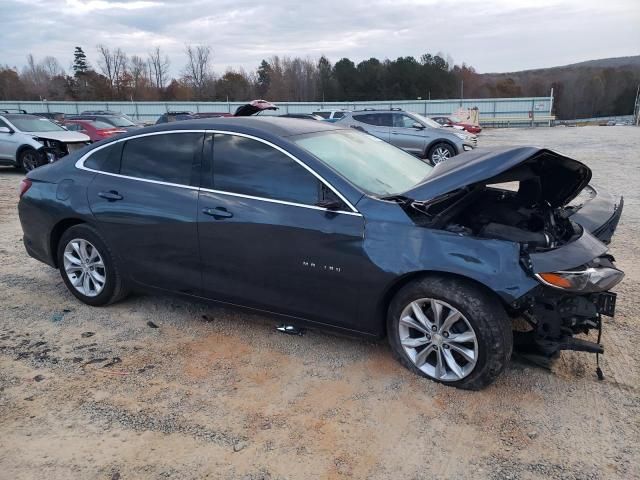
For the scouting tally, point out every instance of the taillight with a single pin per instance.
(25, 185)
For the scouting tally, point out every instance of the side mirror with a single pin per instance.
(5, 130)
(418, 126)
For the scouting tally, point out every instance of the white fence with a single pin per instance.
(493, 111)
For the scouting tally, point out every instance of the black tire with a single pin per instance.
(432, 154)
(483, 313)
(30, 159)
(114, 286)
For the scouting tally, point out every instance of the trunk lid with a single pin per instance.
(559, 178)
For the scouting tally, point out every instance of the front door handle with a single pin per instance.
(217, 213)
(111, 195)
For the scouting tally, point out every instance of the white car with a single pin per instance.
(28, 141)
(330, 115)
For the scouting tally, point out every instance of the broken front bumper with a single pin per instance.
(557, 313)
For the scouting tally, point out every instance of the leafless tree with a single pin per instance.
(35, 78)
(158, 68)
(197, 72)
(52, 66)
(113, 65)
(138, 75)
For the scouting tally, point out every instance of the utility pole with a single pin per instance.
(461, 91)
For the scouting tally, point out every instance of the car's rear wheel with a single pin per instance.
(30, 159)
(440, 152)
(88, 267)
(450, 331)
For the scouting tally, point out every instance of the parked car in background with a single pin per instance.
(252, 108)
(28, 141)
(114, 119)
(94, 129)
(177, 116)
(412, 132)
(57, 117)
(304, 116)
(112, 113)
(331, 115)
(330, 227)
(450, 121)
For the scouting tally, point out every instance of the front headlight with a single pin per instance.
(461, 135)
(589, 280)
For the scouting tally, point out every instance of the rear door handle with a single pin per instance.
(217, 213)
(111, 195)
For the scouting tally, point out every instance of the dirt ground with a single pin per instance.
(217, 393)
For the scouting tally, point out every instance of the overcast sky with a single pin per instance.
(491, 35)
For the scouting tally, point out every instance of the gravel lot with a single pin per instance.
(217, 393)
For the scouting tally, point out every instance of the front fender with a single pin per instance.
(399, 249)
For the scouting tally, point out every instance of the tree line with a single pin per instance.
(118, 76)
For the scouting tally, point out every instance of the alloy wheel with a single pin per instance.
(84, 267)
(440, 154)
(438, 339)
(29, 160)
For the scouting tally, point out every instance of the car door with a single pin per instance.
(145, 200)
(404, 135)
(265, 242)
(8, 143)
(376, 124)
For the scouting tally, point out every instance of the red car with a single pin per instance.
(457, 123)
(95, 129)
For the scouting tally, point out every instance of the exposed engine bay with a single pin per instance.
(490, 212)
(53, 150)
(520, 205)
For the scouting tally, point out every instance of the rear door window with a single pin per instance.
(324, 115)
(169, 157)
(249, 167)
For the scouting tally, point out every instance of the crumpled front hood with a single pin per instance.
(62, 136)
(561, 178)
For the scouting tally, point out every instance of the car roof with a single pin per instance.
(270, 125)
(18, 116)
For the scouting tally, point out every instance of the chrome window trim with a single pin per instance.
(81, 166)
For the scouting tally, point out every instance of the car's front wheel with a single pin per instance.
(30, 159)
(88, 267)
(439, 153)
(450, 331)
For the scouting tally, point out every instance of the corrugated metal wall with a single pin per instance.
(498, 111)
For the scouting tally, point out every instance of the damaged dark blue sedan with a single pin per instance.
(334, 228)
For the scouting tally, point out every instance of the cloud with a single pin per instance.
(492, 35)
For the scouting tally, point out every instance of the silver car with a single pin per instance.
(412, 132)
(28, 141)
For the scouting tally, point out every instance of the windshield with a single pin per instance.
(28, 123)
(371, 164)
(120, 121)
(427, 121)
(100, 125)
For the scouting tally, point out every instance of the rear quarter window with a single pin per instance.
(106, 159)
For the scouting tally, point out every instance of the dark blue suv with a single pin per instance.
(335, 228)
